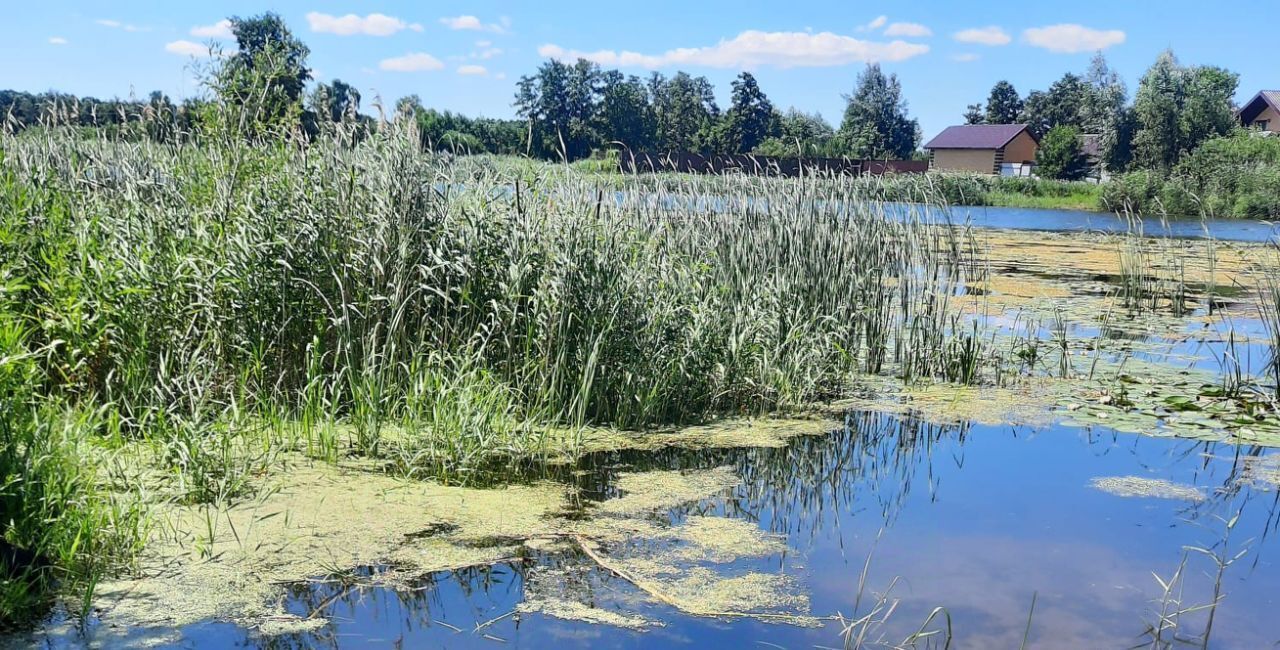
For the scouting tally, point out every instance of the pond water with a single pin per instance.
(1036, 219)
(976, 519)
(1246, 230)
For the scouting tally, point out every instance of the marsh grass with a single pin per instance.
(1268, 305)
(1153, 271)
(224, 300)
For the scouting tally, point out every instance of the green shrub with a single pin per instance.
(1234, 176)
(983, 189)
(1136, 192)
(459, 142)
(1059, 156)
(600, 162)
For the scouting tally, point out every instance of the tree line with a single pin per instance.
(569, 111)
(1175, 109)
(264, 81)
(565, 110)
(574, 110)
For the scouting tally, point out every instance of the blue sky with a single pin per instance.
(466, 56)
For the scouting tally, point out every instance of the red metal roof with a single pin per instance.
(976, 136)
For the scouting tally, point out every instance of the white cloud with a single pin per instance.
(472, 70)
(115, 24)
(474, 24)
(755, 48)
(876, 23)
(220, 29)
(991, 35)
(908, 29)
(484, 43)
(57, 40)
(351, 24)
(1069, 38)
(965, 57)
(490, 53)
(414, 62)
(500, 75)
(187, 48)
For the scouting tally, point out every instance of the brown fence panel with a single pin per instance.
(692, 163)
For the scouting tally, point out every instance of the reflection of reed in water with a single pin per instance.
(793, 489)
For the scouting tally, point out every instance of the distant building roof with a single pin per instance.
(1260, 102)
(976, 136)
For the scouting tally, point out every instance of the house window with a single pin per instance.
(1262, 124)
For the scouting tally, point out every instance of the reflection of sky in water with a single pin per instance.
(975, 519)
(1084, 221)
(1214, 345)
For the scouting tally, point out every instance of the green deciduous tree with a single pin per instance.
(1176, 108)
(1115, 147)
(407, 107)
(805, 134)
(1060, 155)
(445, 131)
(265, 78)
(1105, 113)
(1104, 98)
(336, 101)
(875, 123)
(624, 114)
(1061, 104)
(686, 111)
(559, 105)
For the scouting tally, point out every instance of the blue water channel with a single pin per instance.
(976, 519)
(1245, 230)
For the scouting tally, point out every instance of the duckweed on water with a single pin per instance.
(723, 540)
(728, 433)
(545, 593)
(232, 564)
(1137, 486)
(1026, 403)
(1262, 471)
(653, 491)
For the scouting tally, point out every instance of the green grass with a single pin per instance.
(985, 190)
(1081, 198)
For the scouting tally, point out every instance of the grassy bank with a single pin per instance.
(953, 188)
(175, 317)
(987, 190)
(1080, 196)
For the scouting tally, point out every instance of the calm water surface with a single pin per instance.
(1247, 230)
(976, 519)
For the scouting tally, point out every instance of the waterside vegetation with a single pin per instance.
(290, 292)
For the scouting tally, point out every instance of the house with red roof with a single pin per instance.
(1262, 112)
(1003, 149)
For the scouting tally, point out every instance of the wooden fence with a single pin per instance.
(691, 163)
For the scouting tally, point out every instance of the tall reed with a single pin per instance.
(357, 295)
